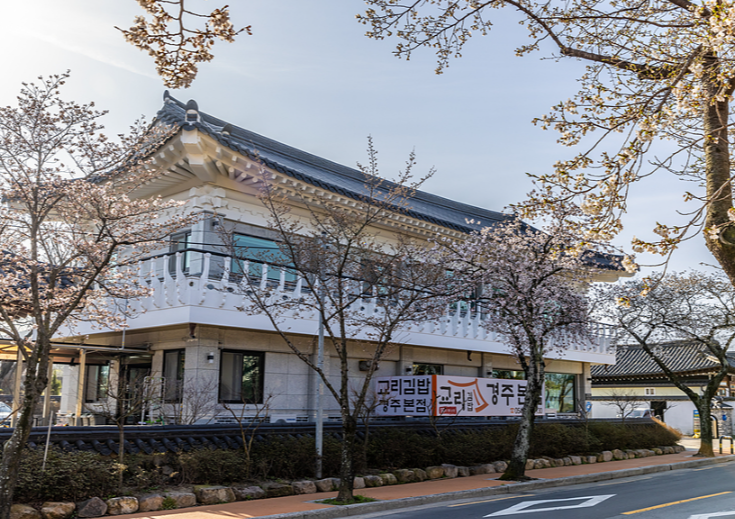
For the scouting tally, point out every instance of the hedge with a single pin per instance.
(79, 475)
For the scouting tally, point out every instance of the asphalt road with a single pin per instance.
(681, 494)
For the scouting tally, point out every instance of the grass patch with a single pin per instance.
(356, 499)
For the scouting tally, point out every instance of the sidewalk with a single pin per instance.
(304, 503)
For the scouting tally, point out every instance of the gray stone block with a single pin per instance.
(150, 503)
(57, 510)
(500, 466)
(434, 472)
(486, 468)
(358, 483)
(122, 505)
(183, 499)
(388, 479)
(325, 485)
(94, 507)
(304, 487)
(214, 495)
(248, 493)
(24, 512)
(576, 460)
(404, 475)
(277, 490)
(420, 474)
(373, 481)
(450, 471)
(463, 472)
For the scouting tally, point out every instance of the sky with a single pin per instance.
(308, 77)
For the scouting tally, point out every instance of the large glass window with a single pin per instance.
(173, 375)
(428, 369)
(241, 377)
(560, 393)
(96, 383)
(180, 242)
(257, 251)
(509, 374)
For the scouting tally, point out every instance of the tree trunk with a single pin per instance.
(516, 470)
(705, 429)
(717, 163)
(346, 473)
(34, 384)
(121, 453)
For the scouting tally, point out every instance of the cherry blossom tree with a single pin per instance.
(350, 266)
(179, 38)
(531, 283)
(69, 228)
(655, 100)
(694, 307)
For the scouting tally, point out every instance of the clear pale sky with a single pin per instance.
(308, 77)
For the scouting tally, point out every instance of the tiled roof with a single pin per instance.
(633, 361)
(337, 178)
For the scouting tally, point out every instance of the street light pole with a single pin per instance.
(320, 366)
(319, 391)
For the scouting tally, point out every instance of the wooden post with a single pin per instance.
(80, 387)
(16, 386)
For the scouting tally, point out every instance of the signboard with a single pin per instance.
(442, 395)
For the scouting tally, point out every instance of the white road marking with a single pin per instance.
(731, 513)
(520, 508)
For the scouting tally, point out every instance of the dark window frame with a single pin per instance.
(177, 240)
(419, 369)
(261, 377)
(255, 263)
(99, 393)
(180, 374)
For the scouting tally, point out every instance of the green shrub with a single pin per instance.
(212, 466)
(72, 476)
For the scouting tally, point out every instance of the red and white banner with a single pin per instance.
(442, 395)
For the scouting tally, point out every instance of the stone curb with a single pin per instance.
(407, 502)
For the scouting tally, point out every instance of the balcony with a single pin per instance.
(197, 287)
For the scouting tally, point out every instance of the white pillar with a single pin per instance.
(82, 374)
(16, 388)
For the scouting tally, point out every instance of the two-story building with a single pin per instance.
(191, 333)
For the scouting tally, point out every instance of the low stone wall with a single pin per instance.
(209, 495)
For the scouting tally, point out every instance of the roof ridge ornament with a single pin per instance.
(192, 112)
(226, 129)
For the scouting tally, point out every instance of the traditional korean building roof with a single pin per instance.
(633, 363)
(336, 178)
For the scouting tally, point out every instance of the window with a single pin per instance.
(241, 377)
(560, 393)
(428, 369)
(173, 375)
(509, 374)
(258, 251)
(180, 242)
(96, 383)
(650, 391)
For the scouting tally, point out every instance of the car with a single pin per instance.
(640, 413)
(5, 412)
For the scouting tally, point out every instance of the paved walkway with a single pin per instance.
(282, 505)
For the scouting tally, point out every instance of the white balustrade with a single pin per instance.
(216, 287)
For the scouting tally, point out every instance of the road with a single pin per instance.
(683, 494)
